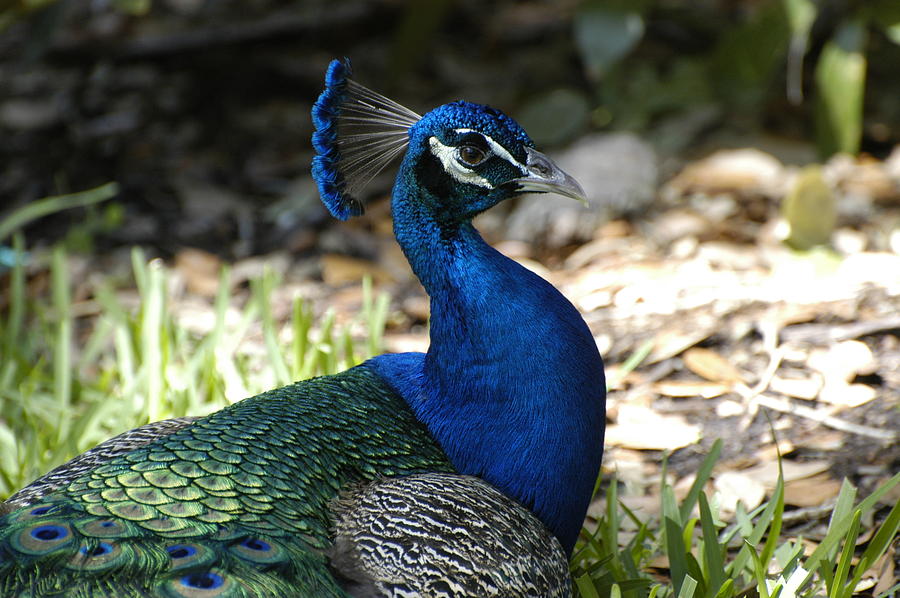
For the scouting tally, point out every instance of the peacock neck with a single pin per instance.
(512, 384)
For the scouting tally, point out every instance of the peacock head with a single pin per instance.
(460, 158)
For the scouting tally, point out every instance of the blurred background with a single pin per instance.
(199, 110)
(739, 263)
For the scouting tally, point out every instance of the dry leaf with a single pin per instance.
(670, 343)
(843, 361)
(883, 570)
(767, 473)
(200, 270)
(734, 487)
(847, 395)
(730, 409)
(639, 427)
(749, 170)
(689, 388)
(824, 440)
(340, 269)
(811, 491)
(771, 451)
(805, 388)
(710, 365)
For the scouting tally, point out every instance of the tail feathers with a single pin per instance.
(56, 549)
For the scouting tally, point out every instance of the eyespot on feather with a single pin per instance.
(256, 550)
(35, 511)
(203, 584)
(189, 555)
(105, 528)
(45, 537)
(99, 557)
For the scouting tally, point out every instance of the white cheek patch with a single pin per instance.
(446, 154)
(498, 150)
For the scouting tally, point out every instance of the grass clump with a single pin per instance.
(60, 395)
(707, 558)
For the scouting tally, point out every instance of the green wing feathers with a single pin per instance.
(234, 504)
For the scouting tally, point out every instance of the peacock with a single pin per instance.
(463, 471)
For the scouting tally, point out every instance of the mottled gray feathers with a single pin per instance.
(443, 536)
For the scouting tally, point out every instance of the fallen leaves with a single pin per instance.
(639, 427)
(708, 364)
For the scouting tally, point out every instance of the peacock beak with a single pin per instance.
(544, 176)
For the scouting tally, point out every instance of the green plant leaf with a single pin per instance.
(702, 477)
(50, 205)
(676, 552)
(687, 587)
(884, 537)
(555, 117)
(605, 35)
(748, 55)
(884, 14)
(838, 588)
(810, 210)
(137, 8)
(840, 85)
(839, 524)
(586, 586)
(801, 15)
(712, 551)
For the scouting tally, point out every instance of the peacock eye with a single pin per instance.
(469, 155)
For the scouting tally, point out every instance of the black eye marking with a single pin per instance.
(470, 155)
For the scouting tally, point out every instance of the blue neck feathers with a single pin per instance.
(512, 386)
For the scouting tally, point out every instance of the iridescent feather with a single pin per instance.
(358, 133)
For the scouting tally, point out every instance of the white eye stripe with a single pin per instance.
(497, 149)
(447, 155)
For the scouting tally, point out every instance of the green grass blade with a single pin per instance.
(890, 592)
(687, 587)
(152, 344)
(50, 205)
(676, 552)
(881, 541)
(726, 590)
(774, 532)
(829, 542)
(703, 475)
(842, 572)
(12, 332)
(759, 570)
(585, 586)
(611, 526)
(62, 346)
(712, 552)
(262, 291)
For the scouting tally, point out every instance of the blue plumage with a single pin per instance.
(358, 133)
(324, 165)
(512, 386)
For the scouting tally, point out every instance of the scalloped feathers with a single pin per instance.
(233, 504)
(358, 133)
